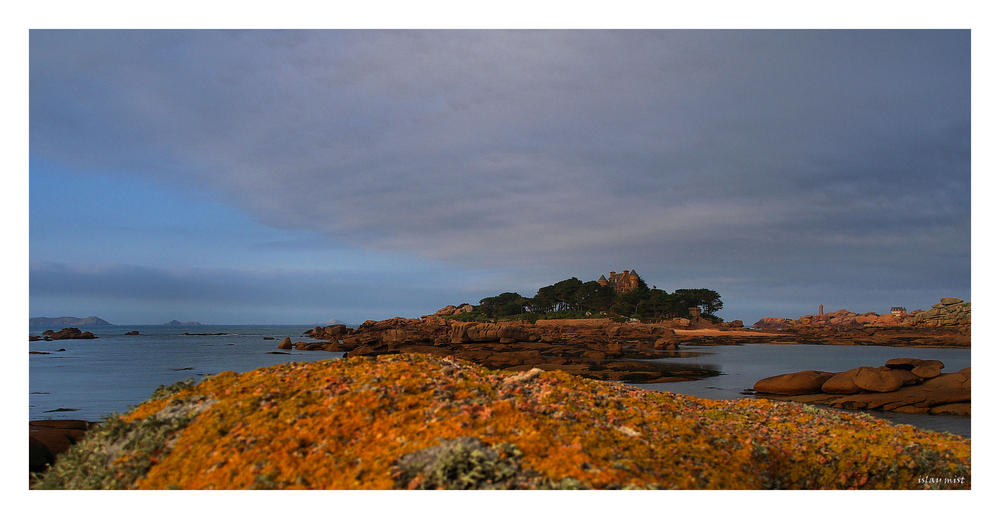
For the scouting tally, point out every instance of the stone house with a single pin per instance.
(621, 282)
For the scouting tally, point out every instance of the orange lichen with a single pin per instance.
(343, 424)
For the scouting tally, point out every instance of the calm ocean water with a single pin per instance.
(97, 377)
(94, 378)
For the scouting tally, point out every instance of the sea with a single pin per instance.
(89, 379)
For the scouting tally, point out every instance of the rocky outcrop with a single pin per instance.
(772, 323)
(66, 333)
(896, 386)
(585, 347)
(951, 311)
(452, 310)
(947, 324)
(331, 332)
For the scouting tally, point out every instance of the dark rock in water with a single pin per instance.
(39, 353)
(133, 332)
(47, 439)
(34, 338)
(61, 410)
(268, 338)
(277, 353)
(286, 344)
(67, 333)
(183, 369)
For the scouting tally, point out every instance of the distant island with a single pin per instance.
(67, 321)
(178, 323)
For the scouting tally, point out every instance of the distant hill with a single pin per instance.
(66, 321)
(178, 323)
(334, 321)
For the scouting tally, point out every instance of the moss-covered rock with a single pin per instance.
(420, 421)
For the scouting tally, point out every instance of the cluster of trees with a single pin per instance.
(574, 298)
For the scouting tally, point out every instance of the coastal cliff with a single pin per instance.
(421, 421)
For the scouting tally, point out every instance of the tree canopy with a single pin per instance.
(574, 298)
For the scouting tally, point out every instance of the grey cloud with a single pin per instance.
(236, 294)
(521, 148)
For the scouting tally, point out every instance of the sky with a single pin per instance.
(295, 177)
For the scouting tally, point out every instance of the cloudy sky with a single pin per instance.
(239, 177)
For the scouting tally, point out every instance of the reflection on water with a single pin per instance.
(743, 365)
(679, 354)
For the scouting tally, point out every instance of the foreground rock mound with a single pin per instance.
(421, 421)
(903, 385)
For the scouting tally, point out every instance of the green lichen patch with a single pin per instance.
(117, 453)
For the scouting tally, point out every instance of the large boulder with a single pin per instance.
(286, 344)
(489, 332)
(801, 383)
(393, 337)
(927, 370)
(460, 332)
(772, 323)
(907, 377)
(47, 439)
(842, 383)
(448, 310)
(879, 380)
(666, 343)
